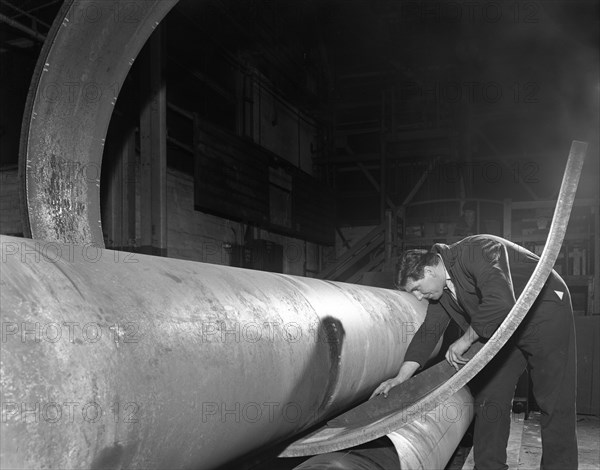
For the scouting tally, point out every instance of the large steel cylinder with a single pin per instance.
(120, 360)
(424, 444)
(380, 455)
(430, 441)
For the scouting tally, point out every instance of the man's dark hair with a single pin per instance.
(411, 265)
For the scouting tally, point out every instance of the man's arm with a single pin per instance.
(407, 370)
(427, 336)
(488, 265)
(419, 349)
(455, 352)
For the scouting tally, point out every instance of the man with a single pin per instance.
(478, 279)
(466, 224)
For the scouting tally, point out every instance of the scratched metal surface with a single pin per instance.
(83, 63)
(189, 364)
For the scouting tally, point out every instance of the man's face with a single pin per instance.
(470, 218)
(430, 287)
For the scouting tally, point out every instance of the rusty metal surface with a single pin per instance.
(329, 439)
(119, 360)
(85, 59)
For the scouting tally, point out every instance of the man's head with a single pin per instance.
(469, 218)
(422, 274)
(469, 210)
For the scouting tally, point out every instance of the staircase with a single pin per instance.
(372, 253)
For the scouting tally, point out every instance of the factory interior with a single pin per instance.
(203, 204)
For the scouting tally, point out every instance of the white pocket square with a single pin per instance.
(560, 294)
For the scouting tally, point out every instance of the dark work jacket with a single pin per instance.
(488, 273)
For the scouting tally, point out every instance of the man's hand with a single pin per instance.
(385, 387)
(455, 352)
(407, 369)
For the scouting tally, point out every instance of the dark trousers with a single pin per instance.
(546, 341)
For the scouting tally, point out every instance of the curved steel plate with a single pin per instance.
(85, 59)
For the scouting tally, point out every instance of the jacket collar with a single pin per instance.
(447, 252)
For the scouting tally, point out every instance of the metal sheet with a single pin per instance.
(426, 443)
(85, 59)
(430, 441)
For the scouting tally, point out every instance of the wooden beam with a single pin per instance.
(551, 203)
(363, 130)
(374, 183)
(420, 134)
(128, 201)
(341, 235)
(357, 104)
(182, 112)
(203, 78)
(112, 215)
(417, 186)
(372, 264)
(177, 143)
(400, 159)
(389, 238)
(153, 147)
(596, 285)
(367, 243)
(507, 225)
(21, 27)
(382, 151)
(503, 160)
(120, 204)
(119, 179)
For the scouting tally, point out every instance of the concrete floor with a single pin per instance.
(525, 445)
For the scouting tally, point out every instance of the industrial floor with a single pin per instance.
(525, 445)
